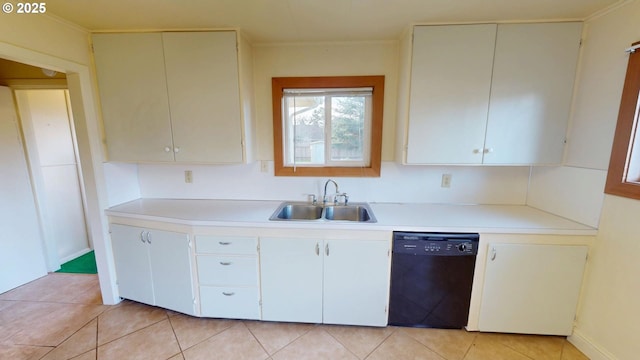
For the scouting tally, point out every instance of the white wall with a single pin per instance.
(607, 326)
(330, 59)
(571, 192)
(122, 182)
(412, 184)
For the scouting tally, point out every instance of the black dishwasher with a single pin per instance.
(431, 279)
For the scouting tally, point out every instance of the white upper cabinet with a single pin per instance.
(173, 96)
(490, 94)
(133, 94)
(531, 91)
(450, 83)
(204, 96)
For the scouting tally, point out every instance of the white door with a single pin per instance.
(21, 249)
(48, 132)
(356, 282)
(291, 279)
(170, 257)
(450, 83)
(531, 91)
(131, 257)
(531, 289)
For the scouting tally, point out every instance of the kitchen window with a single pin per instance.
(623, 178)
(327, 126)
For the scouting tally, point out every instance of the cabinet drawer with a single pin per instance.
(228, 270)
(230, 302)
(226, 244)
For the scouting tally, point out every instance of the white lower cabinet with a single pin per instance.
(356, 282)
(329, 281)
(291, 279)
(153, 267)
(531, 289)
(228, 277)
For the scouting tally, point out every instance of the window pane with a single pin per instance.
(347, 128)
(305, 120)
(633, 172)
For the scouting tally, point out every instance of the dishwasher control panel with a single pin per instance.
(436, 244)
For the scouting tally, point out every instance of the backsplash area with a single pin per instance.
(398, 183)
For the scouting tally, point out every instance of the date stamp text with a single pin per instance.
(24, 8)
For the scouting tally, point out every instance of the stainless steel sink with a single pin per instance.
(297, 211)
(359, 213)
(300, 211)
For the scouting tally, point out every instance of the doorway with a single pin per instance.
(46, 122)
(80, 85)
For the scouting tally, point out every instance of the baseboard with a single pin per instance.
(588, 347)
(74, 255)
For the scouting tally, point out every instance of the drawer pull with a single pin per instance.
(228, 293)
(224, 242)
(225, 263)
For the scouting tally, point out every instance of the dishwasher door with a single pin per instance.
(431, 279)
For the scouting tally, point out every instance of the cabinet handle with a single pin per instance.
(167, 149)
(142, 236)
(224, 242)
(149, 237)
(493, 254)
(326, 249)
(228, 293)
(488, 150)
(225, 263)
(176, 149)
(317, 249)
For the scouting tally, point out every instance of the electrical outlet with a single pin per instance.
(188, 176)
(446, 181)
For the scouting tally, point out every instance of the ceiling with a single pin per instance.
(310, 20)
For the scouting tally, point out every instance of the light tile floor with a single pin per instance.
(61, 316)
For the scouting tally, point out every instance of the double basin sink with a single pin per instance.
(354, 212)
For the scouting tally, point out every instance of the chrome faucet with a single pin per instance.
(324, 197)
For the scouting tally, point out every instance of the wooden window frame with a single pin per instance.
(278, 84)
(626, 127)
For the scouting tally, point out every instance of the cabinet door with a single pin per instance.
(531, 289)
(450, 83)
(291, 279)
(202, 79)
(356, 282)
(131, 257)
(133, 94)
(170, 257)
(531, 92)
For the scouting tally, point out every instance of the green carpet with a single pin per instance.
(85, 264)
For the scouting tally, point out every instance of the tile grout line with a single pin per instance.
(473, 343)
(206, 339)
(258, 340)
(340, 342)
(181, 352)
(131, 333)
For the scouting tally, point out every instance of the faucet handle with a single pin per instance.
(344, 195)
(312, 199)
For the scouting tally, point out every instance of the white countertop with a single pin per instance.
(391, 216)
